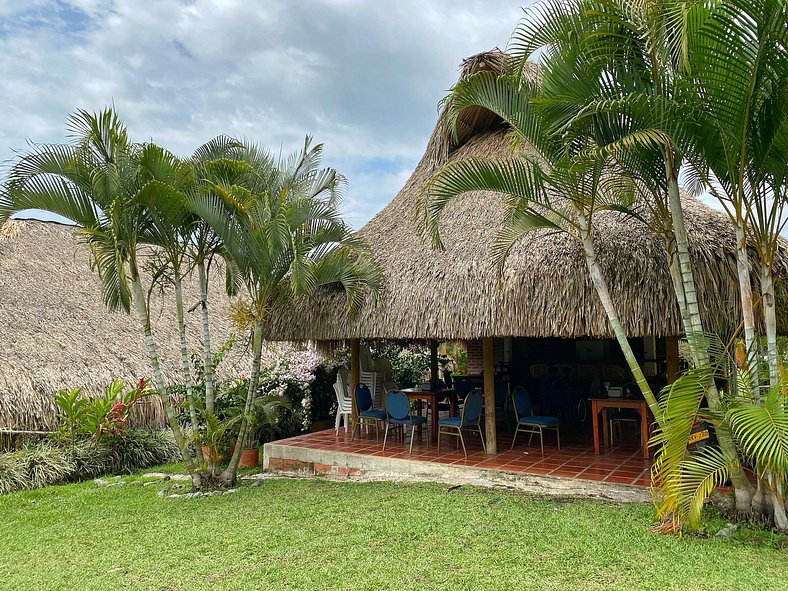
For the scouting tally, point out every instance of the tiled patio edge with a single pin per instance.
(289, 458)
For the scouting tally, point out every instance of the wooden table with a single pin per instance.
(602, 404)
(431, 396)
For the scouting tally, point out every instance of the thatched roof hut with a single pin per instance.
(546, 291)
(56, 333)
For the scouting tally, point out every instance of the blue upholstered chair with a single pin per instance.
(366, 414)
(398, 416)
(528, 423)
(468, 419)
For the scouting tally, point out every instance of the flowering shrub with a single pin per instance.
(299, 378)
(410, 364)
(289, 373)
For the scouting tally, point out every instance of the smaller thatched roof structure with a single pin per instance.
(546, 291)
(56, 333)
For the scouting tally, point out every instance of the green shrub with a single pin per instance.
(100, 417)
(91, 458)
(143, 448)
(13, 473)
(46, 464)
(410, 362)
(50, 462)
(323, 397)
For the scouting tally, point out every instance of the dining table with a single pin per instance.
(602, 404)
(433, 397)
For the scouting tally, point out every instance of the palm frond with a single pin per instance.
(516, 178)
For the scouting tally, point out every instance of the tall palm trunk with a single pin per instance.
(678, 283)
(185, 369)
(743, 490)
(778, 502)
(770, 320)
(207, 354)
(691, 316)
(169, 411)
(598, 278)
(748, 314)
(229, 475)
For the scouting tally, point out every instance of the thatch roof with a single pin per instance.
(455, 294)
(56, 333)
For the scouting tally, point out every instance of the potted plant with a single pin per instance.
(213, 436)
(250, 453)
(266, 415)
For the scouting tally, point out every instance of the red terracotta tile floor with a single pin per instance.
(622, 464)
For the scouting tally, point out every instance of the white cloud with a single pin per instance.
(363, 77)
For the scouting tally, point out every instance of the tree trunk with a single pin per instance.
(743, 490)
(229, 475)
(748, 314)
(694, 326)
(600, 284)
(778, 503)
(185, 371)
(169, 411)
(770, 319)
(678, 283)
(207, 354)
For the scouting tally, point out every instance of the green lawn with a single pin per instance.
(317, 534)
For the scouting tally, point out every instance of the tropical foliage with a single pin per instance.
(56, 462)
(283, 236)
(628, 96)
(275, 223)
(759, 423)
(100, 417)
(410, 363)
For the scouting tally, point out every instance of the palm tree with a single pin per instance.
(738, 62)
(169, 226)
(184, 242)
(759, 423)
(616, 71)
(98, 182)
(611, 70)
(205, 245)
(284, 238)
(549, 186)
(738, 146)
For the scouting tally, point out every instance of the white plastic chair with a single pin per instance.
(344, 401)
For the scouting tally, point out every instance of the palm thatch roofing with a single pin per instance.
(56, 333)
(546, 290)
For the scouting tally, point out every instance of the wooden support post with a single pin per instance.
(489, 395)
(672, 358)
(355, 373)
(434, 360)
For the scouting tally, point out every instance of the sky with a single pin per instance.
(363, 77)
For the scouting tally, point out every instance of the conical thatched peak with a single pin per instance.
(471, 120)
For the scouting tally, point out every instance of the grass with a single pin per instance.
(318, 534)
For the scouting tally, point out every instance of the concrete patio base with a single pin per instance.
(284, 458)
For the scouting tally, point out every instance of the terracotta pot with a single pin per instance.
(250, 458)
